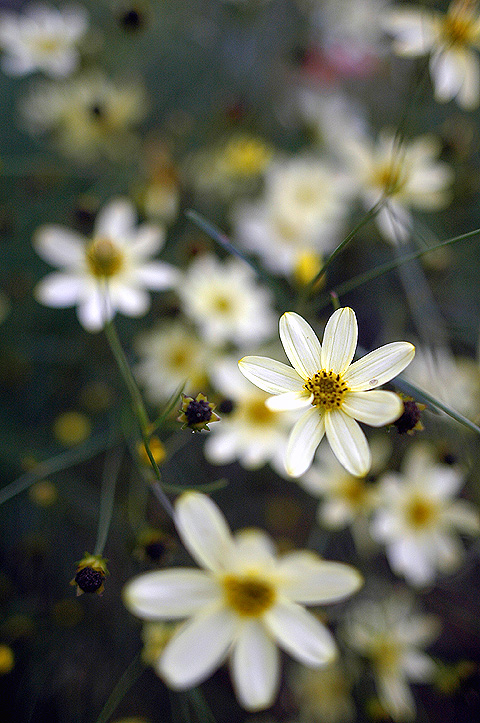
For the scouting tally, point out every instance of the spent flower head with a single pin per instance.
(244, 602)
(90, 575)
(197, 414)
(336, 391)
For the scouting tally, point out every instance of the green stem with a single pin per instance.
(111, 469)
(127, 680)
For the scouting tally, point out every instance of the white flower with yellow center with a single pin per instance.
(452, 39)
(418, 517)
(42, 38)
(242, 604)
(336, 392)
(109, 272)
(405, 175)
(251, 433)
(224, 300)
(389, 635)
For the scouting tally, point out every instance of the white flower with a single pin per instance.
(452, 39)
(302, 211)
(405, 174)
(106, 273)
(42, 38)
(171, 355)
(243, 602)
(335, 390)
(226, 303)
(251, 433)
(323, 695)
(389, 635)
(418, 517)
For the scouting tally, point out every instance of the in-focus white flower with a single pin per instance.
(406, 174)
(336, 392)
(109, 272)
(242, 604)
(224, 300)
(170, 356)
(251, 433)
(452, 39)
(42, 38)
(302, 211)
(389, 634)
(418, 518)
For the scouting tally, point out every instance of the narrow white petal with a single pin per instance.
(375, 408)
(300, 634)
(339, 340)
(198, 649)
(379, 366)
(303, 441)
(254, 546)
(148, 240)
(419, 667)
(395, 696)
(157, 275)
(94, 312)
(448, 72)
(129, 300)
(59, 290)
(310, 580)
(348, 443)
(170, 594)
(255, 667)
(270, 375)
(116, 220)
(203, 529)
(301, 344)
(289, 400)
(463, 516)
(59, 246)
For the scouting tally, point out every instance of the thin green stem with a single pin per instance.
(111, 469)
(127, 680)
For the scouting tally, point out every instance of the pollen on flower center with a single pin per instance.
(104, 259)
(249, 596)
(328, 389)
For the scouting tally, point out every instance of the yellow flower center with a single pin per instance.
(249, 596)
(257, 413)
(104, 259)
(390, 178)
(355, 492)
(328, 389)
(246, 156)
(459, 25)
(386, 654)
(421, 512)
(222, 305)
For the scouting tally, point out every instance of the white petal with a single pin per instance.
(116, 220)
(312, 581)
(448, 71)
(59, 246)
(348, 443)
(198, 649)
(303, 441)
(129, 300)
(469, 93)
(94, 312)
(300, 634)
(254, 546)
(289, 400)
(59, 290)
(255, 667)
(157, 275)
(395, 697)
(375, 408)
(419, 667)
(270, 375)
(394, 222)
(203, 529)
(463, 516)
(339, 340)
(170, 594)
(148, 240)
(301, 344)
(379, 366)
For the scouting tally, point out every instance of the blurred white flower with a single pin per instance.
(418, 518)
(405, 174)
(302, 211)
(389, 634)
(243, 602)
(336, 391)
(224, 300)
(251, 433)
(89, 117)
(42, 38)
(171, 355)
(323, 695)
(452, 39)
(106, 273)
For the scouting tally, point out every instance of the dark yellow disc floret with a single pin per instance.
(328, 389)
(104, 259)
(249, 596)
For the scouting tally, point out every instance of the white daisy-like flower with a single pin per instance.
(109, 272)
(336, 392)
(405, 174)
(42, 38)
(251, 433)
(389, 635)
(224, 300)
(452, 39)
(242, 604)
(418, 518)
(302, 211)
